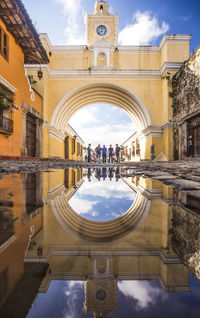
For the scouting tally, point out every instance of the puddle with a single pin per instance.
(90, 243)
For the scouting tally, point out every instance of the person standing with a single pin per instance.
(104, 173)
(104, 153)
(110, 154)
(117, 151)
(110, 173)
(89, 152)
(98, 152)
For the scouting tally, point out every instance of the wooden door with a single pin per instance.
(31, 196)
(31, 135)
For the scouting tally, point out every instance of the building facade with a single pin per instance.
(21, 103)
(21, 116)
(103, 71)
(186, 108)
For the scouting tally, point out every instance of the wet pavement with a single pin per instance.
(99, 241)
(184, 174)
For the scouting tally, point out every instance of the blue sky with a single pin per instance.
(102, 200)
(140, 22)
(144, 298)
(171, 16)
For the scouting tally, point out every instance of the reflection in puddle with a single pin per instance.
(56, 260)
(105, 200)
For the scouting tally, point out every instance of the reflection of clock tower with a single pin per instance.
(101, 34)
(101, 288)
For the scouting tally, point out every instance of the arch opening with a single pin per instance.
(102, 124)
(100, 232)
(100, 93)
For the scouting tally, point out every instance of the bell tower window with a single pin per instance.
(101, 7)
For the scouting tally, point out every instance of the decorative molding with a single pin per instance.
(109, 253)
(170, 124)
(29, 84)
(70, 130)
(138, 48)
(95, 72)
(54, 192)
(9, 86)
(7, 243)
(128, 222)
(55, 133)
(28, 109)
(187, 117)
(170, 65)
(151, 131)
(118, 96)
(172, 38)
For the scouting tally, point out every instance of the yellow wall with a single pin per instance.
(136, 69)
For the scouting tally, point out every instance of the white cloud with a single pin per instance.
(74, 12)
(83, 117)
(81, 206)
(105, 134)
(102, 124)
(144, 30)
(118, 190)
(72, 292)
(143, 292)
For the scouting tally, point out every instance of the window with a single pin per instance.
(6, 101)
(4, 44)
(78, 149)
(73, 146)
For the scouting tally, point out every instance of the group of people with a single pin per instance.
(102, 154)
(104, 173)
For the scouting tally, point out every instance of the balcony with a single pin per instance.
(6, 125)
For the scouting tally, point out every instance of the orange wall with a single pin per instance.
(13, 255)
(13, 71)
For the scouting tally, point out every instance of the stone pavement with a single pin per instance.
(182, 174)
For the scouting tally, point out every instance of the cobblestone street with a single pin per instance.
(182, 174)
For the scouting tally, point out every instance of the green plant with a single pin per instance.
(167, 76)
(171, 94)
(5, 101)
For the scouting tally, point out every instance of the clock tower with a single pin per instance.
(102, 34)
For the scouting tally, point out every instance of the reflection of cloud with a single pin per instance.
(145, 29)
(72, 291)
(82, 206)
(107, 190)
(143, 292)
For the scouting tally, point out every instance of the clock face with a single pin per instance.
(101, 30)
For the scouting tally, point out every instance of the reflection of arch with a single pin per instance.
(100, 93)
(100, 231)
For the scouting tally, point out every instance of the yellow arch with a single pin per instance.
(100, 93)
(100, 231)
